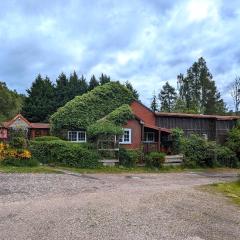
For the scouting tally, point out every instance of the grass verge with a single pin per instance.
(121, 170)
(230, 189)
(39, 169)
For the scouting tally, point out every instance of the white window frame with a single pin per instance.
(149, 141)
(77, 132)
(130, 137)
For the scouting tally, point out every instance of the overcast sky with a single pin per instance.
(144, 41)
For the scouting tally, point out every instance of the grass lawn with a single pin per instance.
(231, 190)
(39, 169)
(121, 170)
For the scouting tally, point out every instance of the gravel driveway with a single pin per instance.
(103, 206)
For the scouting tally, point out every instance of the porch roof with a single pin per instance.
(158, 128)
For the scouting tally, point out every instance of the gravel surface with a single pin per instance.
(122, 206)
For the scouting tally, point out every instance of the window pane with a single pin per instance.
(72, 136)
(81, 136)
(126, 136)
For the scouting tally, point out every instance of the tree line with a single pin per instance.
(196, 93)
(45, 97)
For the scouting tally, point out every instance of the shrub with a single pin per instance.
(198, 151)
(20, 162)
(128, 158)
(155, 159)
(46, 138)
(233, 141)
(18, 138)
(177, 135)
(63, 152)
(226, 157)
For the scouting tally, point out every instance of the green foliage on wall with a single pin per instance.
(84, 110)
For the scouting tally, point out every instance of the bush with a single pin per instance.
(177, 135)
(46, 138)
(226, 157)
(128, 158)
(233, 141)
(63, 152)
(155, 159)
(198, 152)
(18, 138)
(20, 162)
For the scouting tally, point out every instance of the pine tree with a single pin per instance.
(61, 90)
(73, 86)
(104, 79)
(93, 83)
(39, 104)
(134, 91)
(198, 90)
(167, 97)
(83, 85)
(154, 103)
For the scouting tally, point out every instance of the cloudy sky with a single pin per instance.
(144, 41)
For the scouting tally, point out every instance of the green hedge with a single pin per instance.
(63, 152)
(86, 109)
(46, 138)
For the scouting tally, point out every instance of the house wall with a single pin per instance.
(3, 133)
(215, 129)
(136, 134)
(38, 133)
(143, 113)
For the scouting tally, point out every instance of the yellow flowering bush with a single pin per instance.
(6, 151)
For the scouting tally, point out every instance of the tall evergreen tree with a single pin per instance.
(83, 85)
(93, 83)
(154, 103)
(167, 97)
(61, 90)
(76, 86)
(134, 91)
(39, 104)
(198, 90)
(104, 79)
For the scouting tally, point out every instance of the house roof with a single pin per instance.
(187, 115)
(40, 125)
(158, 128)
(7, 124)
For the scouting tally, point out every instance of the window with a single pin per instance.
(149, 137)
(126, 137)
(77, 136)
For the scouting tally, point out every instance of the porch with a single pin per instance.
(156, 139)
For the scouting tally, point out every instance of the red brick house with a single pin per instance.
(19, 122)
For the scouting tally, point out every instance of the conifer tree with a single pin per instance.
(167, 97)
(61, 90)
(40, 101)
(104, 79)
(198, 90)
(134, 91)
(93, 83)
(154, 103)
